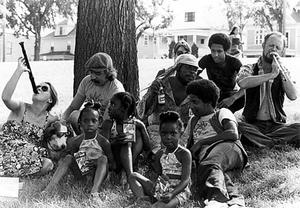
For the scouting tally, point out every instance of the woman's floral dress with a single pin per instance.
(20, 148)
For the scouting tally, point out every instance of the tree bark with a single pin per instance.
(107, 26)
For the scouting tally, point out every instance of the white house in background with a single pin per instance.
(153, 44)
(255, 35)
(60, 44)
(12, 47)
(195, 21)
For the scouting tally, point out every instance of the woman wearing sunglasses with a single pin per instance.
(21, 135)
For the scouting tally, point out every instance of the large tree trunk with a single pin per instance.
(107, 26)
(37, 44)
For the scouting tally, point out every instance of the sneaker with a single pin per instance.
(98, 197)
(215, 204)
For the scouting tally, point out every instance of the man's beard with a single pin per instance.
(267, 59)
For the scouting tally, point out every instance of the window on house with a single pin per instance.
(202, 41)
(189, 17)
(68, 47)
(259, 36)
(9, 48)
(52, 48)
(154, 40)
(146, 39)
(60, 30)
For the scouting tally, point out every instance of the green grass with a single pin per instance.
(272, 180)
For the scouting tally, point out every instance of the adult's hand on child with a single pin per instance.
(227, 102)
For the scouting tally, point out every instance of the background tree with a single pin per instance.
(238, 12)
(31, 16)
(267, 12)
(107, 26)
(155, 14)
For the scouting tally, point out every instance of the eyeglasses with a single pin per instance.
(43, 87)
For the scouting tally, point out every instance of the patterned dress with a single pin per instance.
(20, 148)
(89, 150)
(170, 165)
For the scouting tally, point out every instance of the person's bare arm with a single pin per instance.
(227, 102)
(289, 86)
(144, 134)
(186, 161)
(10, 87)
(108, 152)
(75, 105)
(230, 133)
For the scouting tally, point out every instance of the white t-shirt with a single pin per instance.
(101, 94)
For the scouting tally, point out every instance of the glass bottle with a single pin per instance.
(161, 96)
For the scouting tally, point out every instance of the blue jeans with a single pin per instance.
(268, 133)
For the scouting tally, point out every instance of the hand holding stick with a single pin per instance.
(280, 68)
(28, 67)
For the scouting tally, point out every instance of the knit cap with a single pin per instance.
(99, 60)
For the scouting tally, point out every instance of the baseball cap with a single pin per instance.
(188, 59)
(99, 60)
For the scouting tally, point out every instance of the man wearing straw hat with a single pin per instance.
(149, 108)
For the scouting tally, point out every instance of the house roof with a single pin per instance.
(52, 34)
(57, 53)
(296, 16)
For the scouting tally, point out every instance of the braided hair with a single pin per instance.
(90, 106)
(127, 101)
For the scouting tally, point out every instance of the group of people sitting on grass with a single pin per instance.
(184, 123)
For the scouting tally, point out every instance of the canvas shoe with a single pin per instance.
(215, 204)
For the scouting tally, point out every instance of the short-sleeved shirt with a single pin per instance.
(101, 94)
(203, 128)
(224, 78)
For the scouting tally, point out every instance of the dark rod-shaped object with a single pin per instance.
(28, 67)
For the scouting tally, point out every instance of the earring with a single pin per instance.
(49, 101)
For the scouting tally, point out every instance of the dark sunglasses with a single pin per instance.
(61, 134)
(43, 87)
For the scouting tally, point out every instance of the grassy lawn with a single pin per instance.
(272, 180)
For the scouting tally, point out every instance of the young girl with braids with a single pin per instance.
(121, 111)
(173, 168)
(90, 152)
